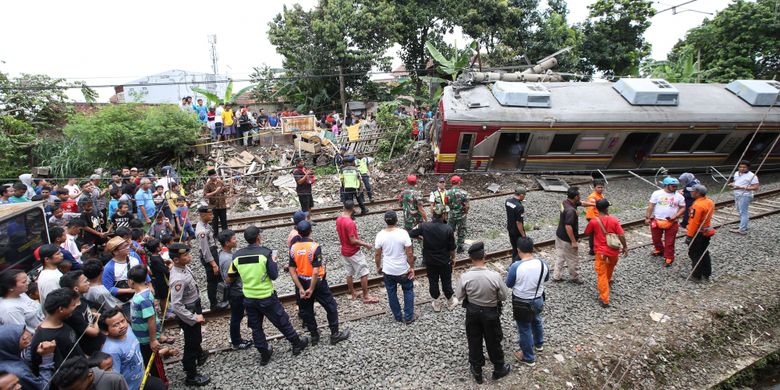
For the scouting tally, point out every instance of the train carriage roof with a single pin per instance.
(599, 102)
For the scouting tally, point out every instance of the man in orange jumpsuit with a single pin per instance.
(592, 212)
(606, 256)
(699, 233)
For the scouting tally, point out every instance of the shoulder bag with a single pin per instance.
(523, 310)
(613, 241)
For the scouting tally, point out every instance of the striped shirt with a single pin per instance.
(141, 308)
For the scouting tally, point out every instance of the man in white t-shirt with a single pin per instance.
(394, 260)
(744, 185)
(665, 208)
(218, 123)
(49, 278)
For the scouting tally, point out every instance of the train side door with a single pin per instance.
(465, 147)
(636, 147)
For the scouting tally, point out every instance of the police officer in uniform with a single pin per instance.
(308, 274)
(209, 255)
(257, 269)
(459, 207)
(483, 293)
(362, 166)
(185, 301)
(411, 202)
(514, 219)
(350, 180)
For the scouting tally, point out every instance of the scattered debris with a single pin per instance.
(559, 358)
(494, 187)
(659, 317)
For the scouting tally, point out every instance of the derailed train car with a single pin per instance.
(631, 124)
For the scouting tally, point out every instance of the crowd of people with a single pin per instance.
(119, 264)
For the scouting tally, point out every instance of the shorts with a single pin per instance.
(356, 265)
(306, 200)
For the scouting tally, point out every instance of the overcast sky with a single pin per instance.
(110, 42)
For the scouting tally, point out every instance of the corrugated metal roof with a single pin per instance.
(599, 103)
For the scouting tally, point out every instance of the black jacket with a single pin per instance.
(438, 242)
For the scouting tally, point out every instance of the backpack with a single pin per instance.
(613, 241)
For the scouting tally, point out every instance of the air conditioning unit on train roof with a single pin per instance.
(521, 94)
(756, 92)
(648, 92)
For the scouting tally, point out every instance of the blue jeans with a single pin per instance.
(531, 334)
(742, 203)
(391, 284)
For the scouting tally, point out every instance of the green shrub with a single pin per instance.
(122, 134)
(396, 136)
(16, 139)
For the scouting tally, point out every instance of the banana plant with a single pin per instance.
(455, 65)
(230, 97)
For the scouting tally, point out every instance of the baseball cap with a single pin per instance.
(303, 226)
(602, 204)
(442, 179)
(177, 249)
(299, 216)
(411, 179)
(520, 190)
(455, 179)
(94, 177)
(477, 250)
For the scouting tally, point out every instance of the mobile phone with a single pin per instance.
(273, 254)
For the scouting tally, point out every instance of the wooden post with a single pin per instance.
(392, 147)
(342, 93)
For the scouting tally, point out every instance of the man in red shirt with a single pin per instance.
(606, 256)
(354, 259)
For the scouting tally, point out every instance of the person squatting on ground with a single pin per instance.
(458, 202)
(526, 278)
(744, 185)
(350, 180)
(209, 256)
(394, 260)
(566, 237)
(438, 251)
(309, 276)
(514, 218)
(699, 233)
(257, 268)
(185, 301)
(483, 293)
(228, 242)
(354, 259)
(604, 229)
(665, 208)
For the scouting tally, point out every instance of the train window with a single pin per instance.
(684, 142)
(590, 144)
(710, 142)
(562, 143)
(465, 143)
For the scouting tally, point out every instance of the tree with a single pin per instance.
(16, 139)
(337, 36)
(740, 42)
(613, 37)
(681, 69)
(552, 34)
(229, 97)
(264, 83)
(490, 22)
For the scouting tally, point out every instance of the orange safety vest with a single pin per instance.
(302, 252)
(700, 214)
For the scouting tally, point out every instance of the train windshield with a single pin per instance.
(22, 229)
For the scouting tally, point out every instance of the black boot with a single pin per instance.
(501, 371)
(476, 372)
(363, 211)
(265, 355)
(194, 379)
(337, 337)
(315, 339)
(299, 345)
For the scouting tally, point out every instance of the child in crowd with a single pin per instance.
(166, 241)
(113, 204)
(58, 237)
(158, 198)
(65, 266)
(144, 321)
(97, 294)
(58, 305)
(59, 217)
(73, 231)
(137, 244)
(121, 217)
(161, 227)
(183, 220)
(83, 321)
(32, 292)
(160, 273)
(101, 360)
(66, 203)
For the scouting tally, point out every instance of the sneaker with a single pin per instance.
(501, 372)
(436, 305)
(299, 345)
(265, 356)
(604, 305)
(314, 339)
(244, 344)
(520, 358)
(452, 303)
(414, 318)
(657, 253)
(477, 374)
(197, 380)
(668, 263)
(336, 338)
(740, 232)
(539, 348)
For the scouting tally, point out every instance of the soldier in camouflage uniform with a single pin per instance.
(411, 202)
(459, 207)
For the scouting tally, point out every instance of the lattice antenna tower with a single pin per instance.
(214, 57)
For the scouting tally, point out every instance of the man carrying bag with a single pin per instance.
(526, 279)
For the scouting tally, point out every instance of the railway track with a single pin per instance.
(764, 204)
(283, 219)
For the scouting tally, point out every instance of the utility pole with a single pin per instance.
(342, 93)
(214, 58)
(698, 67)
